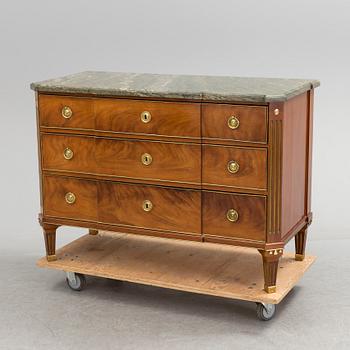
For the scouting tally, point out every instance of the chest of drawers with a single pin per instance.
(212, 159)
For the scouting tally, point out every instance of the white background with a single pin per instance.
(278, 38)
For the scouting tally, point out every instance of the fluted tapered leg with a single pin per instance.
(50, 241)
(300, 243)
(270, 264)
(93, 232)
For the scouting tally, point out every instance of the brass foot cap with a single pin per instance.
(93, 232)
(51, 257)
(270, 289)
(299, 257)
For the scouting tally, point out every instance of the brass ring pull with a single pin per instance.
(146, 159)
(232, 215)
(233, 166)
(146, 116)
(233, 122)
(68, 154)
(70, 198)
(66, 112)
(147, 205)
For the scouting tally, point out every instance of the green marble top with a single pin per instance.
(193, 87)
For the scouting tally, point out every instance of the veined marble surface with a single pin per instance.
(192, 87)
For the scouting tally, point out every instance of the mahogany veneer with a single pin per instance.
(213, 171)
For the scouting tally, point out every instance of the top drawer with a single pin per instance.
(121, 116)
(234, 123)
(66, 112)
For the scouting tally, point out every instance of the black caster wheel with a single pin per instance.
(76, 281)
(265, 312)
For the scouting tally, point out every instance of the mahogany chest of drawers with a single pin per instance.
(211, 159)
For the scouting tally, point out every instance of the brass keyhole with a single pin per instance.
(147, 205)
(146, 159)
(146, 116)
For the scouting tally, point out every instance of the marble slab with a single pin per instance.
(192, 87)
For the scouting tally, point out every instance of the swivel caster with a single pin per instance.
(265, 312)
(76, 281)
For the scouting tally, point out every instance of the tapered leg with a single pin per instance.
(93, 232)
(50, 241)
(300, 243)
(270, 263)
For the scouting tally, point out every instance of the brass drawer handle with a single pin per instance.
(68, 154)
(146, 116)
(233, 166)
(147, 205)
(146, 159)
(232, 215)
(70, 198)
(233, 122)
(66, 112)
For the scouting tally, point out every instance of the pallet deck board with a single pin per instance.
(204, 268)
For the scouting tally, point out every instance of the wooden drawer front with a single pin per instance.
(166, 118)
(252, 123)
(251, 174)
(50, 112)
(55, 190)
(251, 223)
(54, 148)
(172, 162)
(171, 209)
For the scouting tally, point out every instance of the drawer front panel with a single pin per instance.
(145, 117)
(248, 123)
(171, 162)
(66, 112)
(81, 153)
(168, 161)
(150, 207)
(234, 167)
(249, 220)
(70, 198)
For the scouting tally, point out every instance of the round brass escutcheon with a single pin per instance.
(232, 215)
(146, 159)
(67, 112)
(68, 154)
(232, 166)
(233, 122)
(70, 198)
(146, 116)
(147, 205)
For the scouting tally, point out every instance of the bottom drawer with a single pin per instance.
(130, 205)
(70, 198)
(234, 216)
(150, 207)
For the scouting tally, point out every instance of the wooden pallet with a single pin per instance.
(205, 268)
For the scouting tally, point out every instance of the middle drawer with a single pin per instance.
(155, 162)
